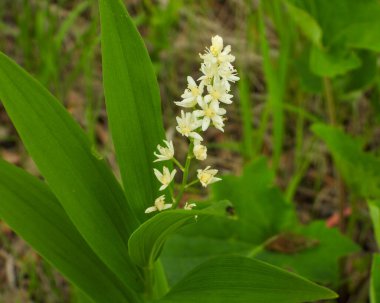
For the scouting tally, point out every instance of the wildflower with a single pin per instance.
(200, 151)
(165, 153)
(218, 91)
(207, 176)
(218, 54)
(209, 72)
(210, 112)
(159, 204)
(192, 95)
(187, 123)
(189, 206)
(165, 177)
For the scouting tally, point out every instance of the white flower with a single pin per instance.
(211, 112)
(186, 124)
(216, 53)
(159, 204)
(189, 206)
(218, 91)
(207, 176)
(228, 73)
(200, 152)
(209, 70)
(192, 95)
(165, 153)
(165, 177)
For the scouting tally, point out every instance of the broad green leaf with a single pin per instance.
(182, 253)
(133, 103)
(374, 210)
(306, 22)
(254, 196)
(237, 279)
(83, 184)
(30, 208)
(146, 243)
(262, 215)
(364, 75)
(375, 279)
(346, 23)
(331, 64)
(318, 261)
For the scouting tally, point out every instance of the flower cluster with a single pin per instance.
(203, 101)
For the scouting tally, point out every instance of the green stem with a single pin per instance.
(330, 100)
(191, 183)
(185, 174)
(176, 162)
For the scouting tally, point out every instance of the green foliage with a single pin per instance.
(345, 27)
(237, 279)
(82, 221)
(360, 170)
(146, 243)
(63, 155)
(317, 260)
(262, 216)
(374, 210)
(133, 103)
(30, 208)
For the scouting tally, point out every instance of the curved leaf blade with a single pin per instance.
(29, 207)
(146, 243)
(233, 279)
(133, 103)
(83, 184)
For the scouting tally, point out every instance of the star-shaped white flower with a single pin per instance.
(192, 95)
(189, 206)
(165, 153)
(210, 112)
(207, 176)
(159, 204)
(217, 53)
(218, 91)
(186, 124)
(165, 177)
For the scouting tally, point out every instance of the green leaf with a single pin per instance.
(332, 63)
(254, 196)
(29, 207)
(83, 184)
(237, 279)
(360, 170)
(374, 210)
(318, 262)
(183, 252)
(306, 22)
(364, 75)
(375, 279)
(356, 25)
(133, 103)
(146, 243)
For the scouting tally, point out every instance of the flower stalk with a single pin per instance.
(201, 105)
